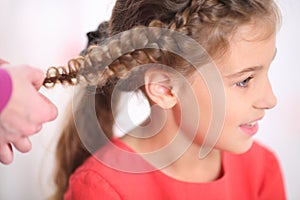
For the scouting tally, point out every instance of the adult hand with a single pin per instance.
(25, 112)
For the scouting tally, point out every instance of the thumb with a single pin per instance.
(49, 111)
(36, 76)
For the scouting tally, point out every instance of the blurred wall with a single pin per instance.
(281, 127)
(44, 33)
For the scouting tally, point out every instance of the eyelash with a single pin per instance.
(244, 83)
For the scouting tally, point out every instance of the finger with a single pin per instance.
(3, 62)
(6, 154)
(23, 144)
(48, 111)
(30, 130)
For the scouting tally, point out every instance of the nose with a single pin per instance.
(266, 98)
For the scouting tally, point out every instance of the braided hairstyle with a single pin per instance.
(104, 62)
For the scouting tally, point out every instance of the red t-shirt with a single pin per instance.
(253, 175)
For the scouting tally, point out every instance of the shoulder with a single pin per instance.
(103, 173)
(87, 182)
(94, 177)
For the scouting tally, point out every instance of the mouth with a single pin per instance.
(250, 128)
(250, 125)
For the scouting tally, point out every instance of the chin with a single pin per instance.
(238, 148)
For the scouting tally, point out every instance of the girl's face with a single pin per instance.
(244, 69)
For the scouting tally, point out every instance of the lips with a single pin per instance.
(250, 128)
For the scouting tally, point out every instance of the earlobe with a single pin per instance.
(158, 86)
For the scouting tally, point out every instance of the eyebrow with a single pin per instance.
(249, 69)
(240, 73)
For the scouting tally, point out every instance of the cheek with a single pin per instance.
(236, 110)
(193, 114)
(205, 110)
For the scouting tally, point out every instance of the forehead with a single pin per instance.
(249, 47)
(254, 31)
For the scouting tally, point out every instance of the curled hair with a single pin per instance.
(209, 22)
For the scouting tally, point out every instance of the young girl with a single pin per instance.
(153, 50)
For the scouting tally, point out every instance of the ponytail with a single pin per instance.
(71, 152)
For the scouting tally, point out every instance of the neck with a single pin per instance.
(178, 155)
(189, 167)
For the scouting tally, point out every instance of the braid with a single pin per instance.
(63, 74)
(115, 59)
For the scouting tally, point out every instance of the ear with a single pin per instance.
(158, 86)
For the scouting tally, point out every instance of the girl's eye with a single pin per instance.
(244, 83)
